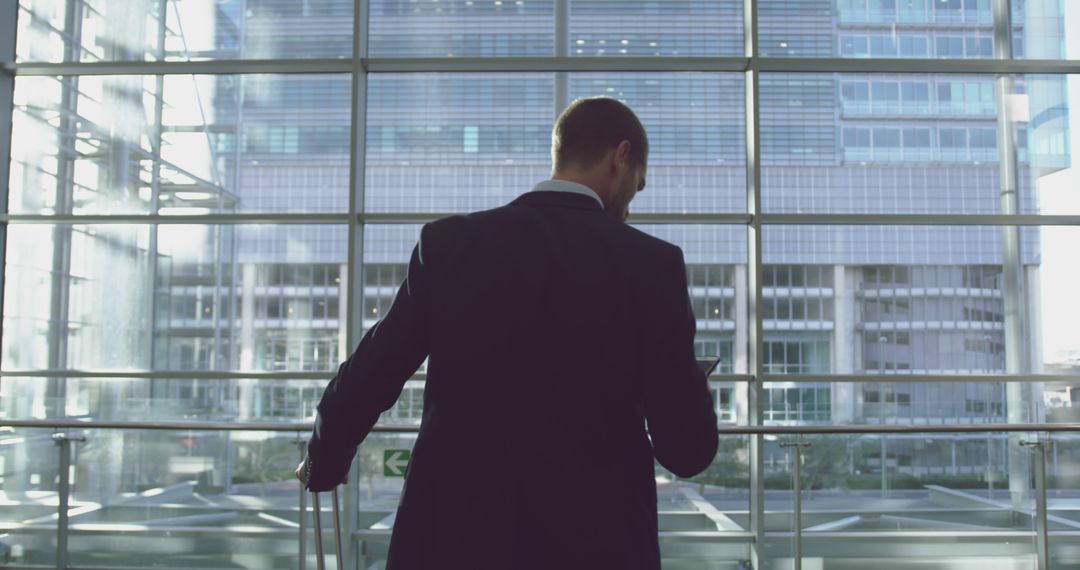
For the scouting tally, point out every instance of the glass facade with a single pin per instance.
(202, 236)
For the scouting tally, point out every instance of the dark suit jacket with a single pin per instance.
(553, 332)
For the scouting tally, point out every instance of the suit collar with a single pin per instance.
(559, 185)
(561, 199)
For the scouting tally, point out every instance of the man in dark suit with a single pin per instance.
(554, 333)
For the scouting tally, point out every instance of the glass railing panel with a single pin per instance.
(715, 502)
(853, 511)
(380, 465)
(28, 496)
(1063, 499)
(186, 499)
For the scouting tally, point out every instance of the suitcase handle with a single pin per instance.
(316, 514)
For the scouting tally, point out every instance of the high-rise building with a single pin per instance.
(220, 294)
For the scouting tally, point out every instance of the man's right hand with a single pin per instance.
(300, 472)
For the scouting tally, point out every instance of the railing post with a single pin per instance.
(884, 471)
(337, 528)
(301, 445)
(317, 515)
(1042, 542)
(63, 443)
(796, 483)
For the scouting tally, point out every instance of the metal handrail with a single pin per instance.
(732, 430)
(326, 375)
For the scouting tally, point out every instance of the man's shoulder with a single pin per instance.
(650, 242)
(640, 242)
(458, 223)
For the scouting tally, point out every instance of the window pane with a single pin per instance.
(464, 142)
(797, 404)
(717, 298)
(461, 28)
(229, 143)
(131, 30)
(1045, 113)
(920, 300)
(602, 28)
(1054, 308)
(877, 28)
(226, 297)
(387, 249)
(893, 401)
(456, 142)
(891, 143)
(1044, 30)
(77, 297)
(696, 125)
(164, 399)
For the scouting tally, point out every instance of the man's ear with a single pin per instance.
(621, 156)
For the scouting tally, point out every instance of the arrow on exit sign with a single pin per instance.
(395, 461)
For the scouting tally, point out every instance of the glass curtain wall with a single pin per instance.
(209, 202)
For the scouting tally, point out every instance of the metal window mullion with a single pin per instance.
(60, 285)
(1016, 394)
(754, 273)
(355, 264)
(9, 12)
(158, 219)
(208, 67)
(155, 188)
(553, 64)
(931, 66)
(562, 48)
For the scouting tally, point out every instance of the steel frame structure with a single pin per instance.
(751, 64)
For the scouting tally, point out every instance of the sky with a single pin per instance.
(1060, 269)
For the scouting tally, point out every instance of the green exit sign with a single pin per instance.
(395, 461)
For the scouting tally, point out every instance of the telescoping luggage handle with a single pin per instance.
(316, 513)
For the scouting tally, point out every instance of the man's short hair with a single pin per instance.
(590, 127)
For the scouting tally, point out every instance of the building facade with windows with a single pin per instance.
(202, 303)
(870, 300)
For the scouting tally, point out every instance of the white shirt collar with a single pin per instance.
(567, 186)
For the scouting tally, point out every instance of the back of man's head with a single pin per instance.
(589, 128)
